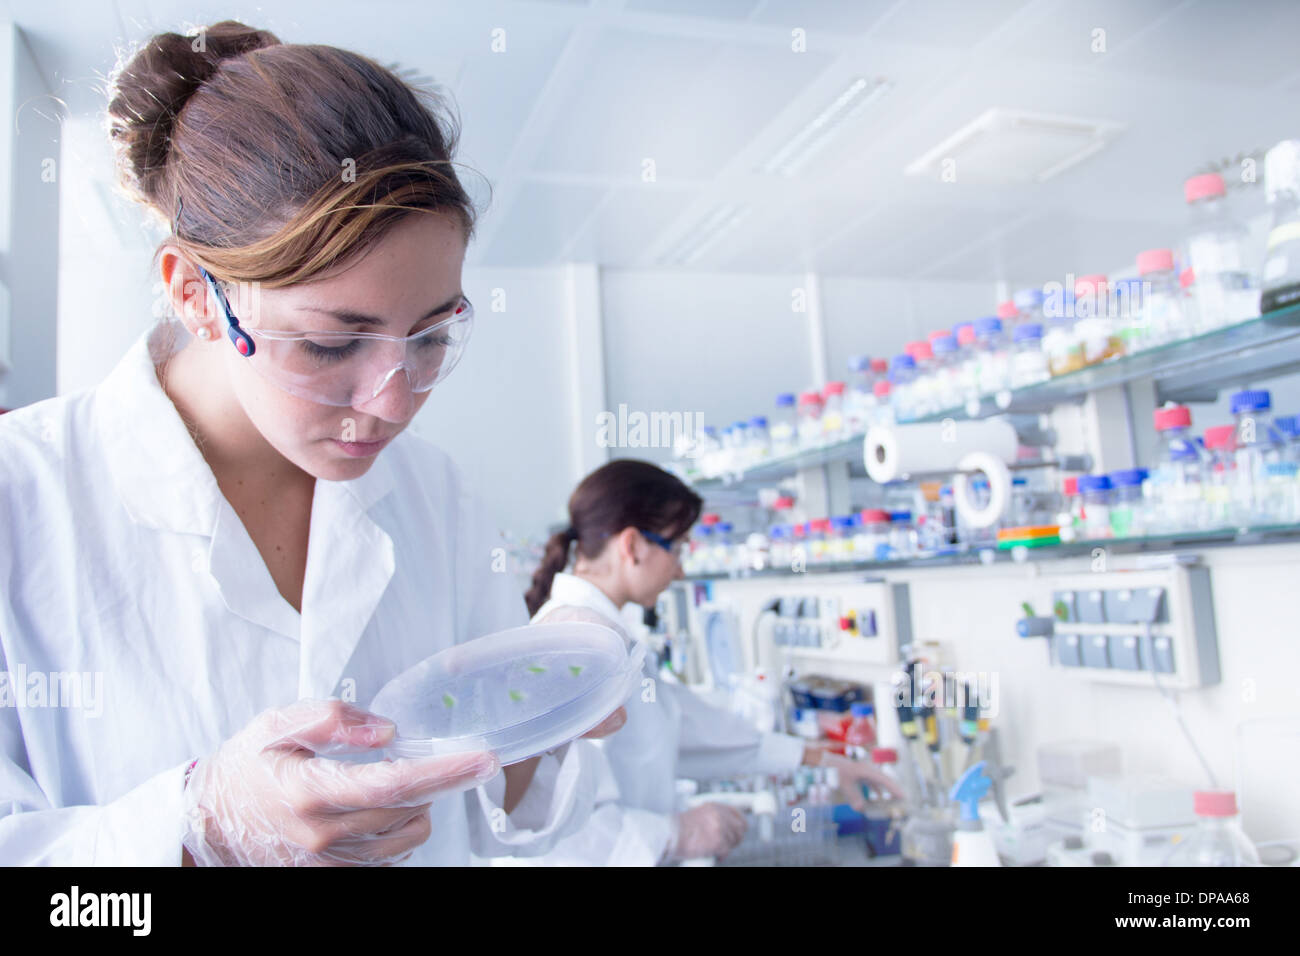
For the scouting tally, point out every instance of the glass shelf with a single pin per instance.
(1177, 541)
(1258, 348)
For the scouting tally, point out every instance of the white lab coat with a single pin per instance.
(121, 560)
(670, 733)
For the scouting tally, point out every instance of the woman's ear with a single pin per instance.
(628, 543)
(186, 292)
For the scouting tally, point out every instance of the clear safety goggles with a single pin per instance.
(349, 368)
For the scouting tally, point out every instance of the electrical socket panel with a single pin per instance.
(1144, 628)
(859, 623)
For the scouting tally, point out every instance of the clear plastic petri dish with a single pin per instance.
(517, 693)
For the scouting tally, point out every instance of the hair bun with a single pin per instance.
(151, 89)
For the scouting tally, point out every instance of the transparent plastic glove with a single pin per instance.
(711, 829)
(265, 798)
(854, 772)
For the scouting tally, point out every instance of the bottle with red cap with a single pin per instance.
(1175, 488)
(1162, 300)
(884, 411)
(1220, 476)
(833, 412)
(1070, 517)
(1226, 289)
(1218, 839)
(810, 419)
(924, 385)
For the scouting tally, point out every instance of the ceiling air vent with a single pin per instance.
(1010, 146)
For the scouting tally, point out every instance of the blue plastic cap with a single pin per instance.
(785, 398)
(1288, 425)
(710, 430)
(861, 710)
(723, 526)
(989, 325)
(778, 531)
(859, 363)
(1128, 477)
(1093, 483)
(705, 530)
(900, 516)
(970, 787)
(1020, 480)
(842, 521)
(739, 425)
(1030, 330)
(903, 361)
(1251, 400)
(1027, 299)
(758, 421)
(1281, 469)
(943, 345)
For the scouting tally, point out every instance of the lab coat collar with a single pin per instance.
(569, 589)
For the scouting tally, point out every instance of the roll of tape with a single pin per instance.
(999, 477)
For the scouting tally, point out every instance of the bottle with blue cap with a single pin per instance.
(1128, 516)
(994, 357)
(1095, 490)
(972, 844)
(1255, 445)
(902, 376)
(782, 428)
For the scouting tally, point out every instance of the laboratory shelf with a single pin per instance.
(1253, 350)
(1179, 541)
(1191, 369)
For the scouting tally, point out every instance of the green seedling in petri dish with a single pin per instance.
(516, 696)
(575, 669)
(448, 700)
(536, 669)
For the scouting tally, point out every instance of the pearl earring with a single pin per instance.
(204, 333)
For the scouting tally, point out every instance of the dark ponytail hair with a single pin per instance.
(625, 493)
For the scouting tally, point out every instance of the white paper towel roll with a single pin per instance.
(999, 477)
(894, 452)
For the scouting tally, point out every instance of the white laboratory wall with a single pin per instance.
(725, 345)
(504, 414)
(29, 220)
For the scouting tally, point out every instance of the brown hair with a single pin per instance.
(282, 160)
(625, 493)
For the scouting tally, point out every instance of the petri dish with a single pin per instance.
(517, 693)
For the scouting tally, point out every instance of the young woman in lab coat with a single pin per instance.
(235, 526)
(629, 521)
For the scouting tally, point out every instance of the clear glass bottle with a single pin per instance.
(833, 412)
(1009, 315)
(1165, 319)
(902, 535)
(884, 411)
(1254, 446)
(1221, 477)
(1061, 339)
(840, 544)
(818, 552)
(1127, 301)
(947, 391)
(1095, 320)
(738, 439)
(1218, 839)
(810, 420)
(1281, 283)
(1095, 491)
(1288, 430)
(1175, 489)
(779, 535)
(923, 384)
(1281, 493)
(783, 429)
(760, 440)
(702, 551)
(723, 550)
(902, 373)
(711, 456)
(1028, 360)
(1070, 518)
(859, 400)
(1128, 513)
(994, 362)
(966, 363)
(874, 546)
(1225, 289)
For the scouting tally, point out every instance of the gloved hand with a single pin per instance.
(265, 798)
(855, 772)
(711, 829)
